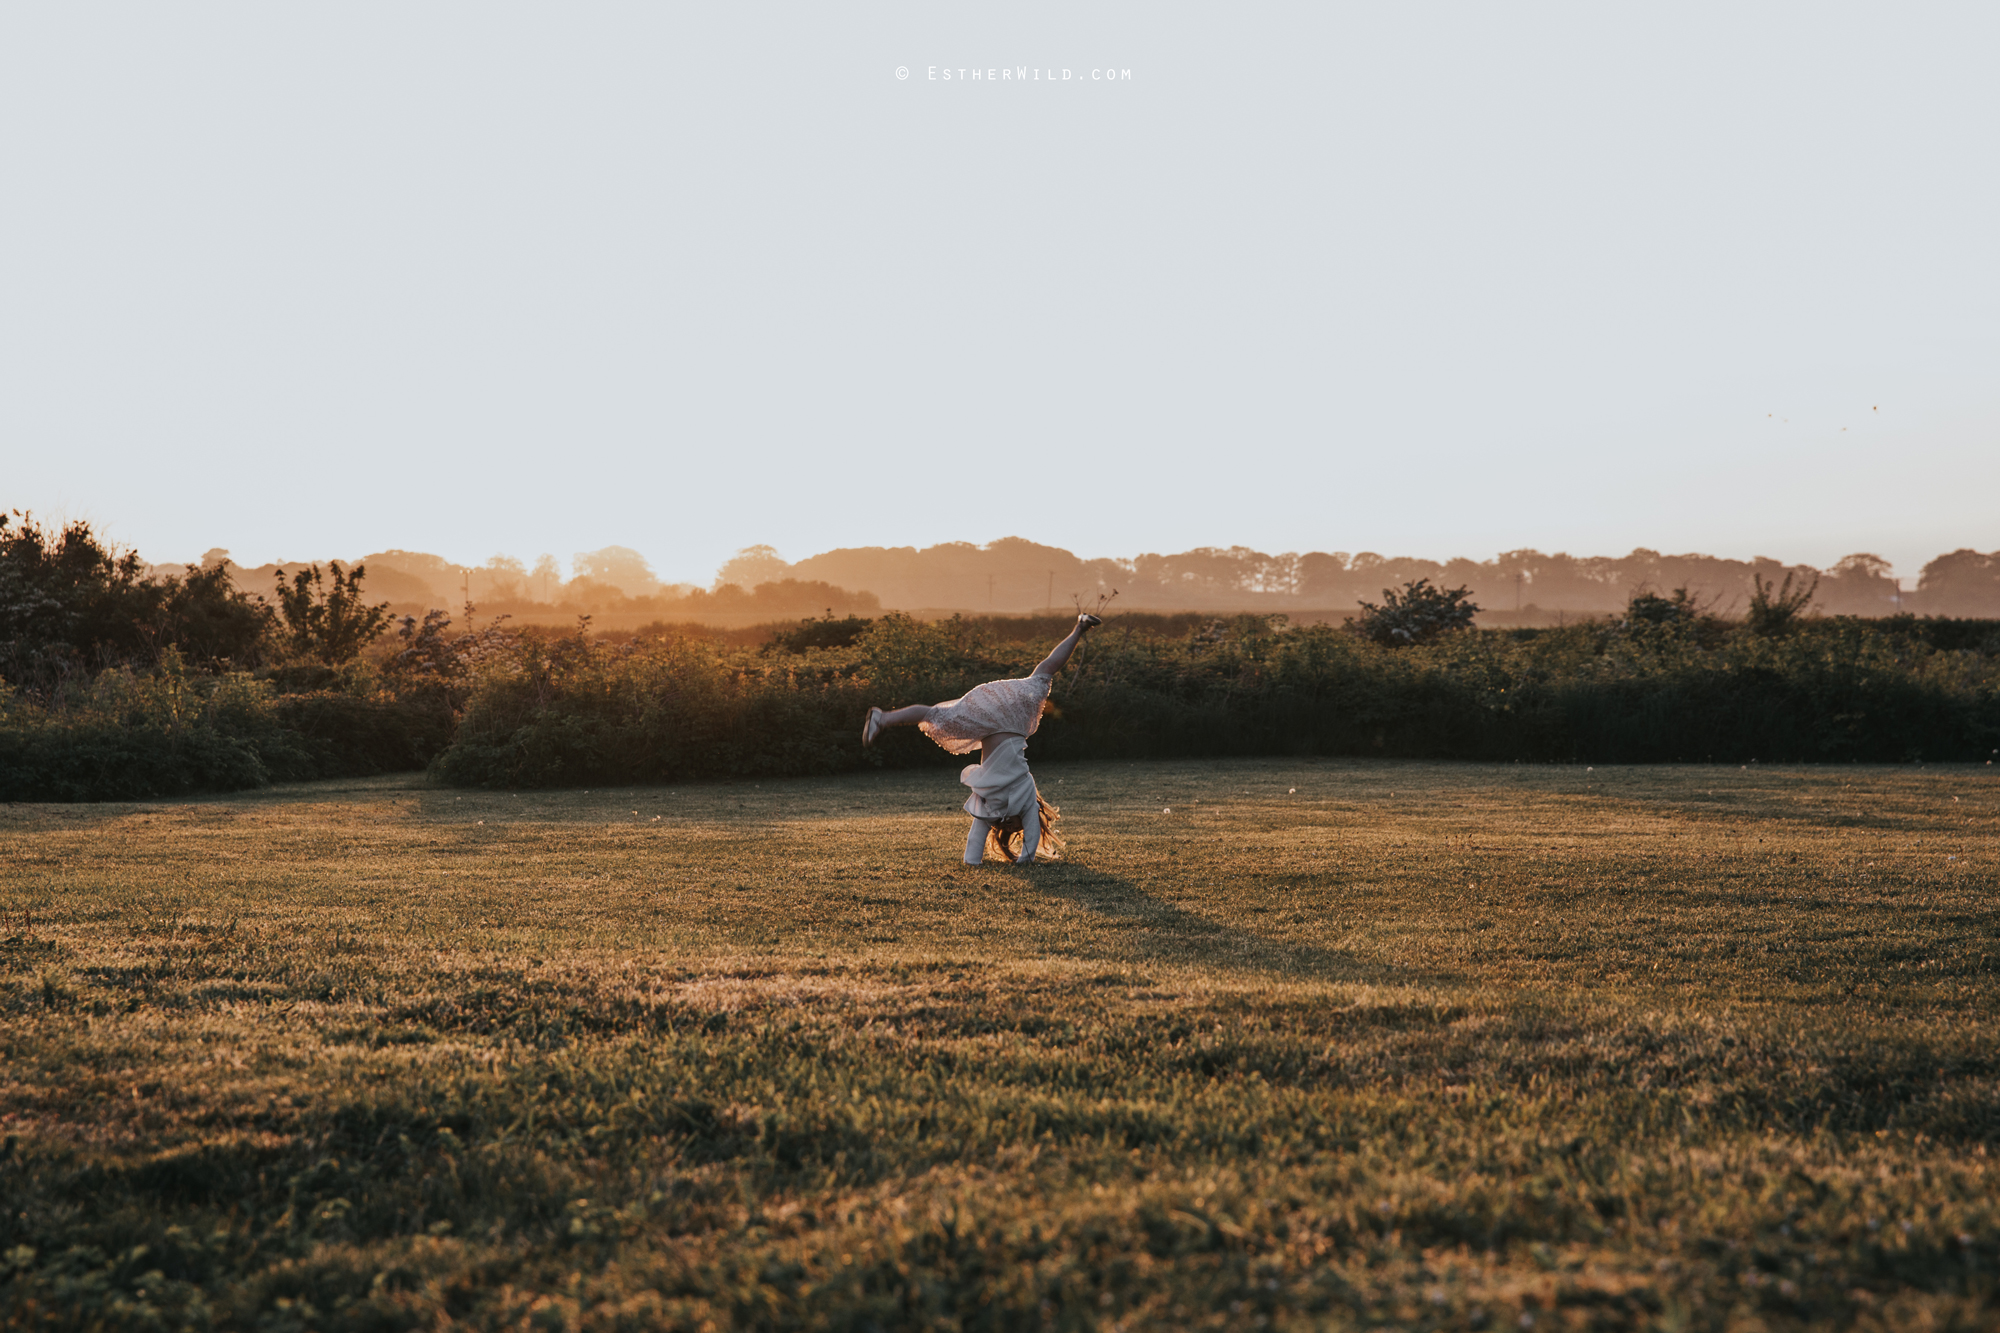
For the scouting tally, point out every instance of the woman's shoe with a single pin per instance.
(1088, 621)
(872, 727)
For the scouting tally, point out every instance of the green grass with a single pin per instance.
(1332, 1043)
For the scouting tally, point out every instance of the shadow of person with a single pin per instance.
(1127, 924)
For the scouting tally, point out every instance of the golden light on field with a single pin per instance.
(1385, 1039)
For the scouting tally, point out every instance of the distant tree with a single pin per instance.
(333, 624)
(501, 578)
(621, 567)
(595, 596)
(751, 566)
(1215, 574)
(1860, 584)
(1861, 565)
(443, 581)
(1963, 583)
(1418, 614)
(1775, 609)
(1280, 574)
(547, 575)
(791, 596)
(1322, 575)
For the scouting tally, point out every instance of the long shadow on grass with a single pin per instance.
(1137, 927)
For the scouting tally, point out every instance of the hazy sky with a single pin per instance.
(305, 280)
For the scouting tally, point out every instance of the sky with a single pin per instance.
(314, 280)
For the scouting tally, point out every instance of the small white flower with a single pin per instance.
(1167, 810)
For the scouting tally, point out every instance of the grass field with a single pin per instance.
(1286, 1044)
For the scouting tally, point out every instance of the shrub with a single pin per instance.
(1418, 614)
(1649, 608)
(808, 634)
(329, 625)
(1775, 609)
(126, 736)
(210, 623)
(70, 606)
(346, 735)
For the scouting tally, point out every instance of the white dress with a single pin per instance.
(1012, 706)
(1000, 715)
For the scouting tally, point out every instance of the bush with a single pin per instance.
(573, 711)
(1418, 614)
(329, 625)
(1944, 633)
(128, 736)
(344, 735)
(70, 606)
(808, 634)
(1776, 609)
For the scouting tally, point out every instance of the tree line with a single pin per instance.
(1016, 576)
(119, 682)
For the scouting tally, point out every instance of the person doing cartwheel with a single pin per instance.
(1010, 816)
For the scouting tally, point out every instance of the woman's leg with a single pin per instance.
(872, 726)
(975, 841)
(1031, 834)
(1060, 653)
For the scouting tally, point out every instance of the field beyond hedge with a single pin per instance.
(1286, 1044)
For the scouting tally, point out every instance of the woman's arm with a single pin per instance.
(1060, 653)
(975, 841)
(1031, 832)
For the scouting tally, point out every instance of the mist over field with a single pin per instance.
(1017, 576)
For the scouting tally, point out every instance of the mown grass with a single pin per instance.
(1290, 1044)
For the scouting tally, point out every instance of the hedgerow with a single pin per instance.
(576, 711)
(535, 710)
